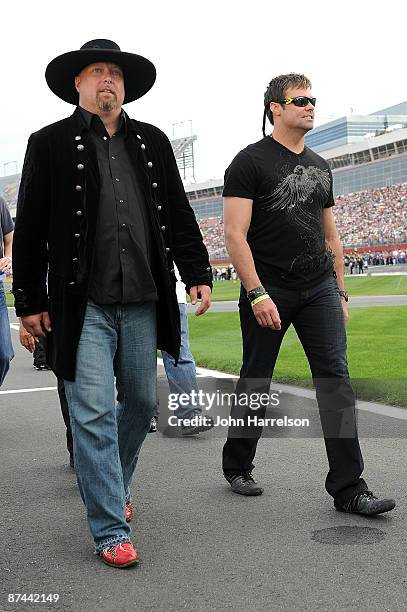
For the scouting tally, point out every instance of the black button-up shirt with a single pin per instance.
(122, 265)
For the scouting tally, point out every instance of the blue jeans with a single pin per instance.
(117, 340)
(317, 317)
(182, 379)
(6, 348)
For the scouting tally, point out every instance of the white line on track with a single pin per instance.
(28, 390)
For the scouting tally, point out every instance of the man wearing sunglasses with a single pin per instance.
(281, 235)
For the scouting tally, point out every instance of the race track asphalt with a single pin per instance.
(355, 302)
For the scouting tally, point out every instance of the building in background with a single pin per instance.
(182, 144)
(364, 151)
(354, 128)
(374, 162)
(184, 154)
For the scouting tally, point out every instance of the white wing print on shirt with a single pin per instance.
(293, 192)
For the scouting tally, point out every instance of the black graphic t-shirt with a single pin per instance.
(289, 192)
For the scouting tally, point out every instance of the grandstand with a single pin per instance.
(354, 128)
(375, 162)
(370, 187)
(367, 220)
(374, 217)
(184, 154)
(9, 190)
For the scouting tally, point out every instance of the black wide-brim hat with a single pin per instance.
(139, 72)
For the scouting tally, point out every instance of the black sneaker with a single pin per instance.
(204, 423)
(41, 368)
(244, 484)
(367, 504)
(153, 425)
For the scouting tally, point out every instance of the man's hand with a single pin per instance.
(26, 339)
(345, 310)
(32, 323)
(5, 264)
(202, 292)
(266, 314)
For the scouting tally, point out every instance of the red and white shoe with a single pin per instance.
(128, 511)
(121, 555)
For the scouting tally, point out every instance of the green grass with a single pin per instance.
(376, 285)
(376, 346)
(355, 285)
(9, 299)
(376, 351)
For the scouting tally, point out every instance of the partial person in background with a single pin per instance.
(30, 343)
(182, 378)
(6, 243)
(40, 354)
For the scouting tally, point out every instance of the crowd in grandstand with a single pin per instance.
(375, 216)
(372, 217)
(212, 232)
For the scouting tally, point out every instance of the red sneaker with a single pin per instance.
(128, 511)
(122, 555)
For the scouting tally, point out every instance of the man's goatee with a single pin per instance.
(106, 106)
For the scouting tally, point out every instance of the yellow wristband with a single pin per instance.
(265, 296)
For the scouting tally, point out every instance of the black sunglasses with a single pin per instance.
(298, 101)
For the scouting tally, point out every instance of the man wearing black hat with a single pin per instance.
(102, 209)
(282, 238)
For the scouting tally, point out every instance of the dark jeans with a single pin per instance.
(65, 414)
(40, 359)
(318, 319)
(40, 352)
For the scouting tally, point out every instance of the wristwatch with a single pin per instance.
(345, 295)
(255, 293)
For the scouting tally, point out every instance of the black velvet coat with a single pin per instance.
(55, 230)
